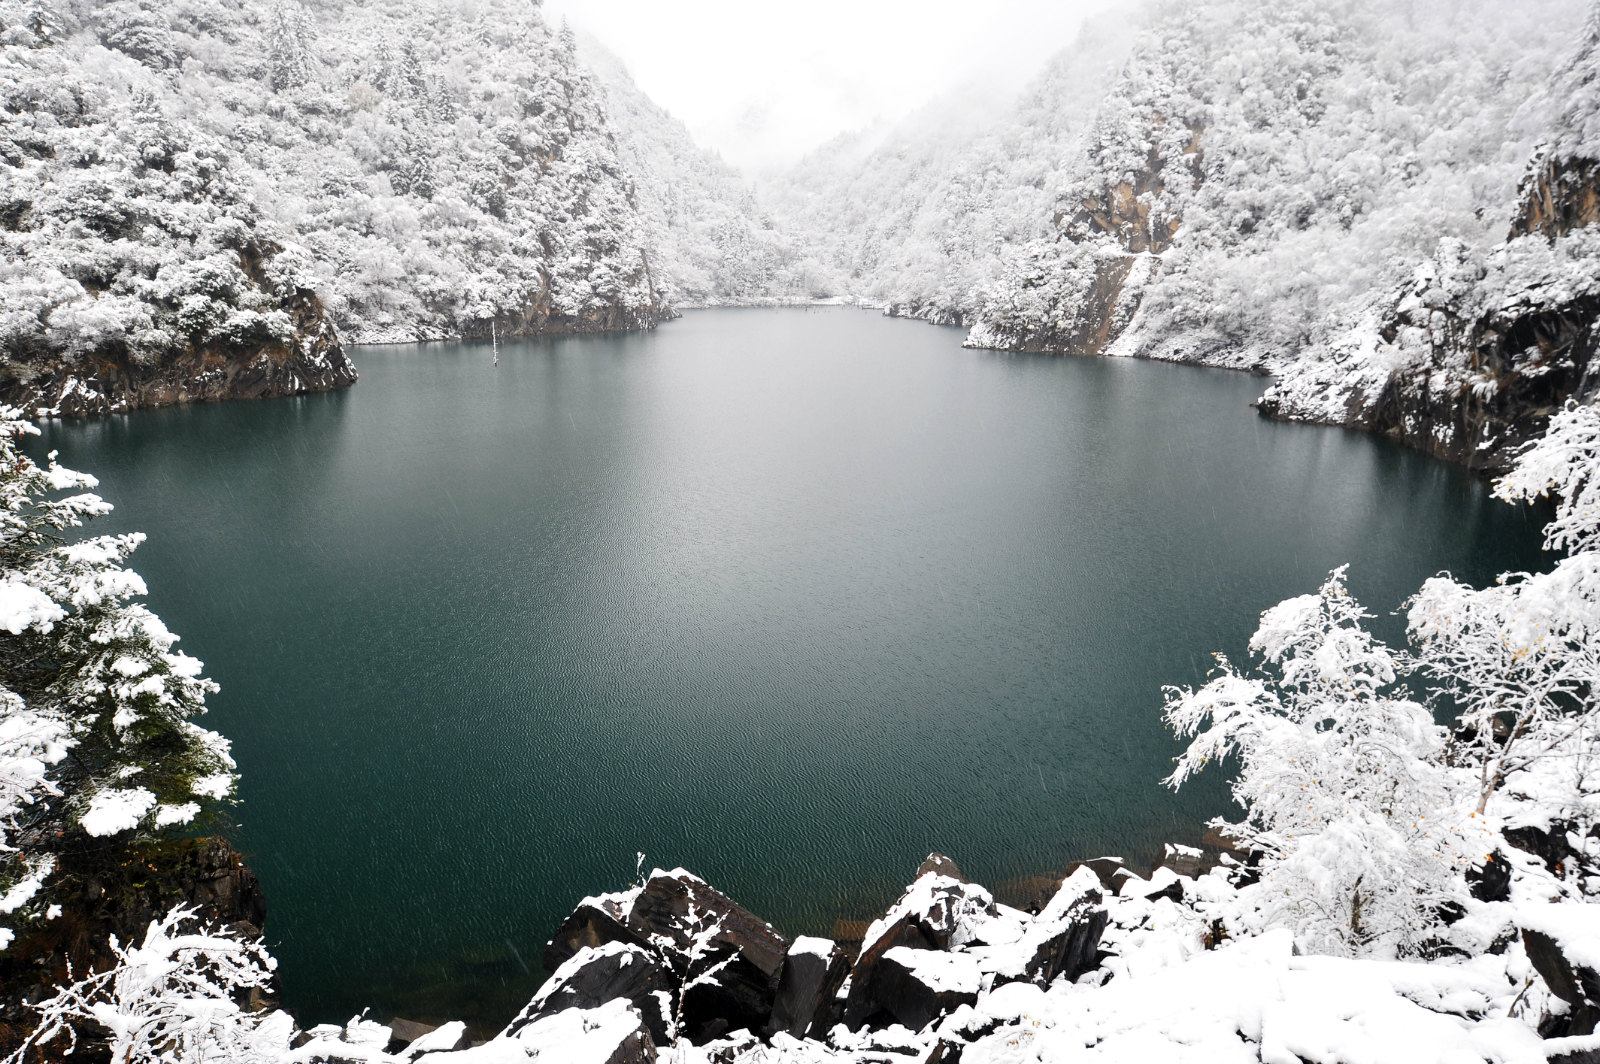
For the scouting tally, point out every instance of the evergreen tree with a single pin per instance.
(97, 738)
(288, 52)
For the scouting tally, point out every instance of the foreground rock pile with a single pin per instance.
(1112, 966)
(692, 965)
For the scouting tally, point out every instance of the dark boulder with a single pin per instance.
(939, 864)
(593, 923)
(614, 971)
(417, 1039)
(1559, 939)
(916, 986)
(725, 959)
(613, 1033)
(1072, 946)
(1577, 1056)
(1492, 880)
(724, 993)
(403, 1032)
(813, 972)
(1551, 846)
(730, 958)
(934, 911)
(700, 920)
(1575, 985)
(1110, 871)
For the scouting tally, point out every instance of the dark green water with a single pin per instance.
(787, 597)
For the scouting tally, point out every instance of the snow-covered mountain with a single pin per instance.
(1468, 356)
(1295, 188)
(202, 197)
(712, 243)
(920, 216)
(195, 189)
(1257, 172)
(137, 265)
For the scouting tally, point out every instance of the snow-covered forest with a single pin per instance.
(1293, 188)
(212, 195)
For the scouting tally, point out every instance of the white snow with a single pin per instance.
(23, 607)
(938, 971)
(812, 946)
(1575, 929)
(112, 811)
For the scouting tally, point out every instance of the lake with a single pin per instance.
(787, 597)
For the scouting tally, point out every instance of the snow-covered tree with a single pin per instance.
(1521, 660)
(1366, 813)
(97, 737)
(1341, 778)
(288, 52)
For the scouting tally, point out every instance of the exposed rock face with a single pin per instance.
(612, 972)
(1471, 358)
(1559, 942)
(1106, 253)
(1468, 361)
(1068, 934)
(688, 957)
(917, 986)
(1558, 197)
(1477, 387)
(1132, 211)
(934, 910)
(813, 972)
(595, 922)
(314, 361)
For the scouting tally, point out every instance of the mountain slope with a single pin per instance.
(136, 267)
(1470, 355)
(197, 192)
(920, 217)
(711, 243)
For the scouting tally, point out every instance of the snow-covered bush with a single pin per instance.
(173, 999)
(1521, 660)
(97, 737)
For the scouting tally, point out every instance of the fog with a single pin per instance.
(764, 83)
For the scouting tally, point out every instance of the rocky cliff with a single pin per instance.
(1469, 357)
(309, 359)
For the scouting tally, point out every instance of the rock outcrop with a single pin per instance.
(312, 360)
(690, 959)
(1445, 373)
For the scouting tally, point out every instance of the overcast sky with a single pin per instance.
(764, 82)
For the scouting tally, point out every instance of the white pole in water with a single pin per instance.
(494, 340)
